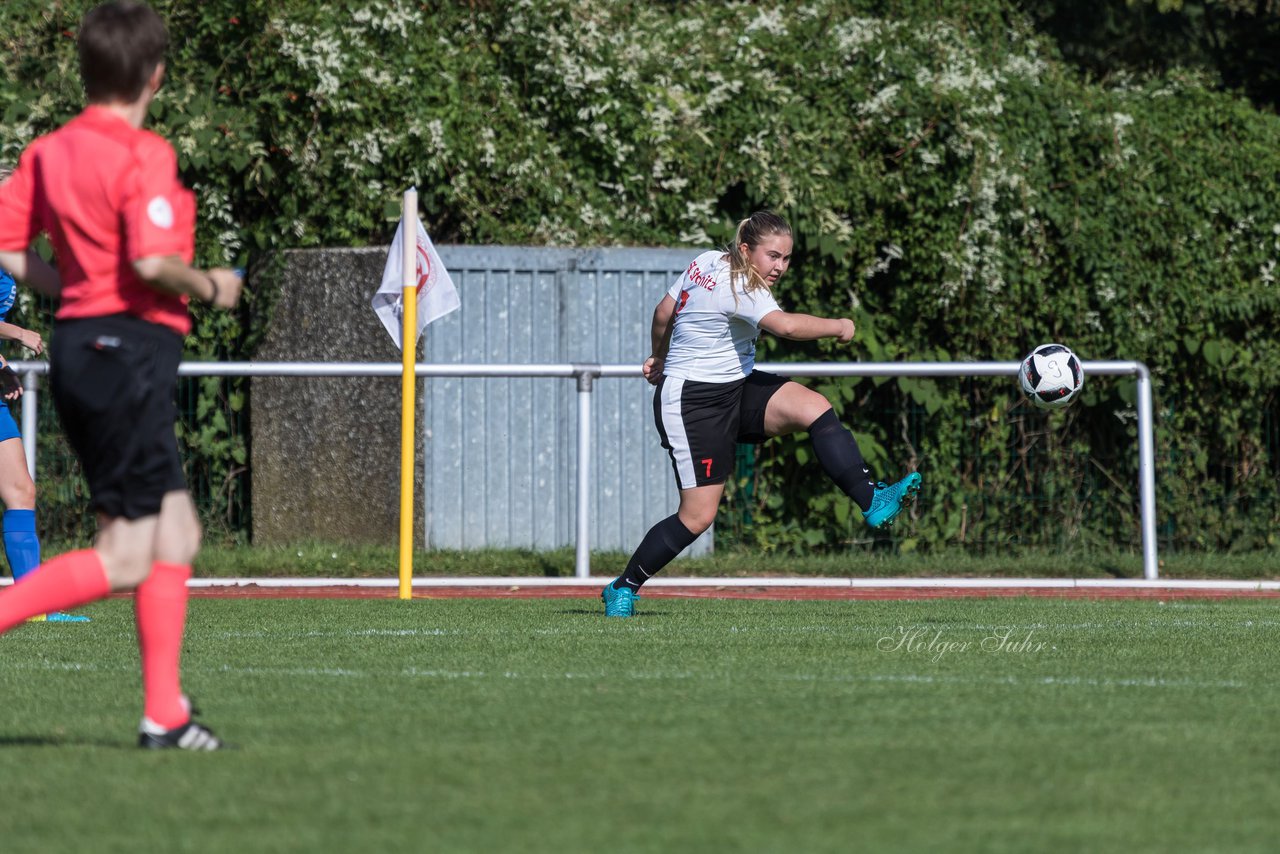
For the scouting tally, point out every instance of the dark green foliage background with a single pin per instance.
(1234, 40)
(955, 186)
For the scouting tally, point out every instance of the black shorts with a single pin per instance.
(701, 423)
(114, 380)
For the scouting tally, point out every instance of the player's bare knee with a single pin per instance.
(180, 547)
(795, 409)
(195, 536)
(179, 533)
(192, 548)
(126, 571)
(815, 406)
(20, 495)
(697, 521)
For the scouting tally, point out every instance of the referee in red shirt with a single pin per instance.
(107, 194)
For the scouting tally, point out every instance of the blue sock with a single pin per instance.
(21, 545)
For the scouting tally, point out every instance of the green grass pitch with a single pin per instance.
(700, 725)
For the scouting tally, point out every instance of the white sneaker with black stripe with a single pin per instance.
(189, 736)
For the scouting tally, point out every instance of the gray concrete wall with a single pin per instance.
(326, 452)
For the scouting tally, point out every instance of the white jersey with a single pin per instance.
(714, 338)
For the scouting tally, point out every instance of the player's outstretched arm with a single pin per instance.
(31, 340)
(218, 286)
(32, 270)
(806, 327)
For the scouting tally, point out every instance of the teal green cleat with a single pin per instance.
(888, 501)
(618, 602)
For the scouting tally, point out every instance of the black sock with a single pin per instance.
(838, 453)
(659, 547)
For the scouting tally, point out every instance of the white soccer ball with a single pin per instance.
(1051, 376)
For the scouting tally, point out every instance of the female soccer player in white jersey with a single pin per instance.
(710, 397)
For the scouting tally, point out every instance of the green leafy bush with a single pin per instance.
(955, 187)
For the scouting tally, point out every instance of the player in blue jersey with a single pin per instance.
(710, 397)
(17, 490)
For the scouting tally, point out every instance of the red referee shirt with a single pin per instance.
(107, 194)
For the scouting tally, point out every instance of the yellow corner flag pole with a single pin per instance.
(408, 385)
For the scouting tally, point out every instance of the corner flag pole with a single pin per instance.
(408, 384)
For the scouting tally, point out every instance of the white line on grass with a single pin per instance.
(436, 673)
(426, 583)
(1090, 682)
(349, 633)
(340, 672)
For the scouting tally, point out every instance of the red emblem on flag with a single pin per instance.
(424, 268)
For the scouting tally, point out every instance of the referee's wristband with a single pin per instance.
(213, 283)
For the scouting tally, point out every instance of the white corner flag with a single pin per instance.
(436, 293)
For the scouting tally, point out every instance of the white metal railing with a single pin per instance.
(585, 374)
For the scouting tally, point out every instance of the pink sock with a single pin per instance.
(160, 605)
(66, 581)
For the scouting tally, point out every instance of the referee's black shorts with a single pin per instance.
(114, 380)
(702, 423)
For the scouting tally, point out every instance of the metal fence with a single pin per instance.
(501, 445)
(587, 374)
(496, 454)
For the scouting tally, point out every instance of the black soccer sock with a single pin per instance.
(838, 453)
(659, 547)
